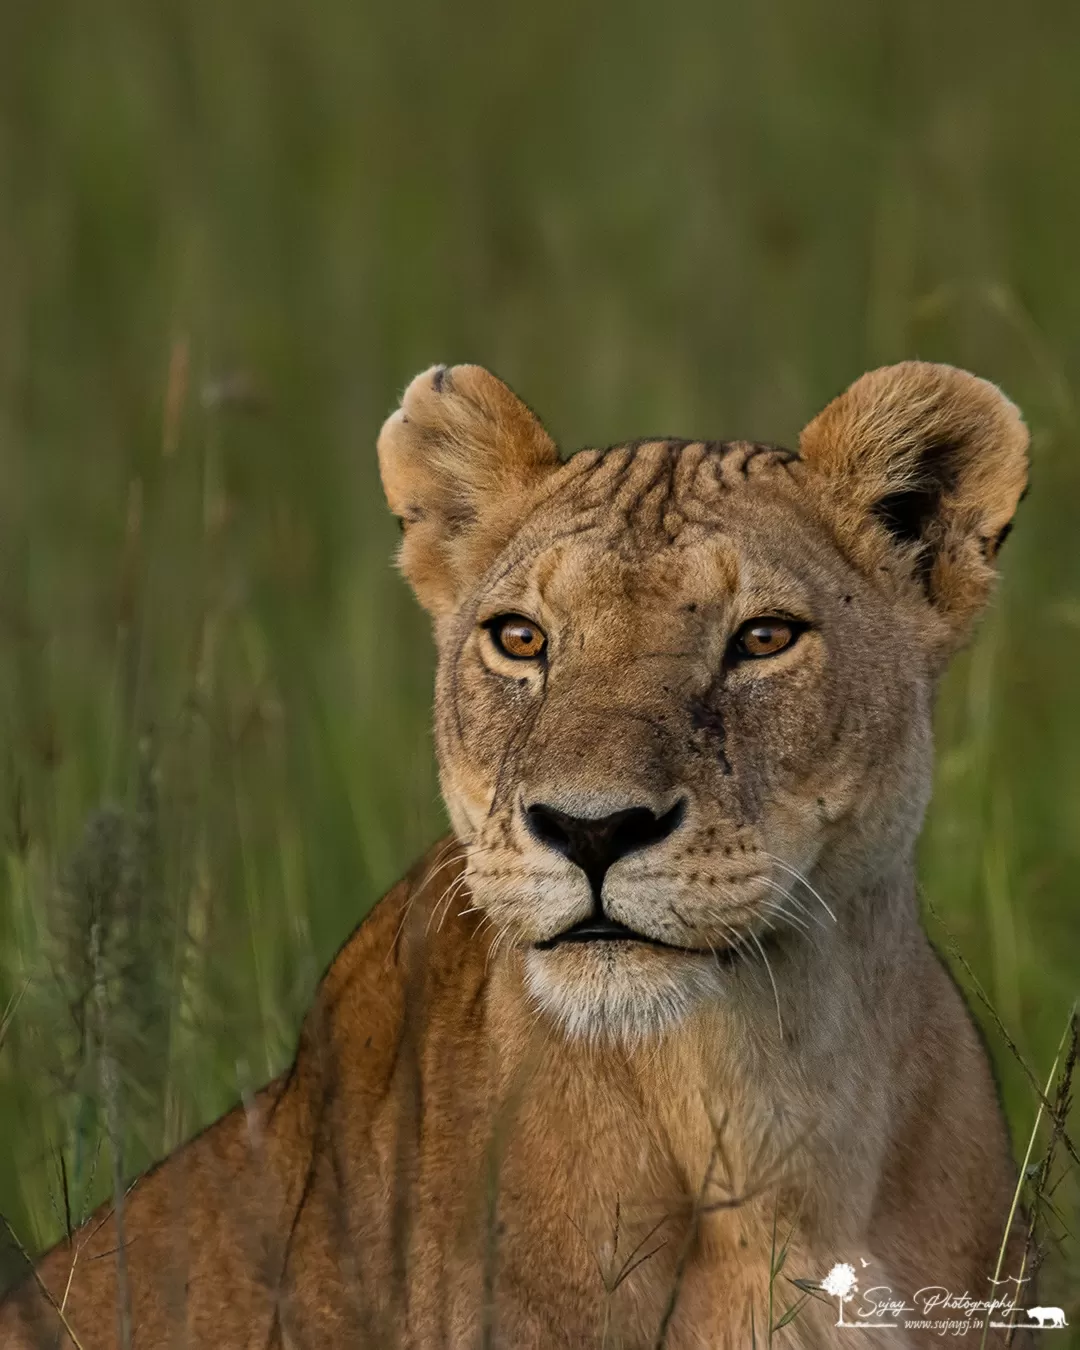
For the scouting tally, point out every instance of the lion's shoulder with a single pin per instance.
(394, 967)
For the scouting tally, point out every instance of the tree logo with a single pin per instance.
(841, 1284)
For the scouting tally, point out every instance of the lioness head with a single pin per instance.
(684, 688)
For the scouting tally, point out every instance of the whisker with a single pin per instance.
(438, 863)
(450, 886)
(797, 920)
(740, 943)
(803, 908)
(485, 922)
(455, 887)
(737, 938)
(495, 946)
(774, 915)
(454, 891)
(794, 872)
(801, 922)
(400, 928)
(772, 981)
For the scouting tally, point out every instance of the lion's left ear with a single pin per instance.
(460, 460)
(921, 467)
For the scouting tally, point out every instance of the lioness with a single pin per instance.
(656, 1031)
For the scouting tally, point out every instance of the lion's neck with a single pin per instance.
(790, 1076)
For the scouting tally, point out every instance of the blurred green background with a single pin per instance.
(230, 233)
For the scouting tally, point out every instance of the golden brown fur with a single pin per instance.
(489, 1142)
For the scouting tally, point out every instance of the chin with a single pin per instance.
(617, 991)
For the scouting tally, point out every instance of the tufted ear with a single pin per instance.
(924, 466)
(459, 460)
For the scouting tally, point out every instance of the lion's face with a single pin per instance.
(655, 708)
(684, 689)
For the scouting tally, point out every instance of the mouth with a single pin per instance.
(603, 929)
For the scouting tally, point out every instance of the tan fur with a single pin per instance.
(487, 1143)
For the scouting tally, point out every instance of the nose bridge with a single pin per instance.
(596, 750)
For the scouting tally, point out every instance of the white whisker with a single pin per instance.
(772, 981)
(804, 910)
(776, 907)
(495, 946)
(455, 890)
(794, 872)
(454, 882)
(438, 864)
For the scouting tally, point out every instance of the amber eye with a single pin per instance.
(764, 637)
(518, 638)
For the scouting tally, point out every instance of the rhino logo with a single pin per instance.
(1047, 1317)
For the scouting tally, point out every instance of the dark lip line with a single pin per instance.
(607, 930)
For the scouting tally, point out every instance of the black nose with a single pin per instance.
(595, 845)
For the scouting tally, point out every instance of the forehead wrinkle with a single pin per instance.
(583, 584)
(699, 470)
(603, 472)
(688, 462)
(542, 582)
(534, 547)
(647, 467)
(587, 503)
(659, 487)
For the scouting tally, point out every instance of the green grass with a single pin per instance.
(229, 233)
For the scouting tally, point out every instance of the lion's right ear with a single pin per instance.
(459, 460)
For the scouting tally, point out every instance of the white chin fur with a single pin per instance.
(599, 999)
